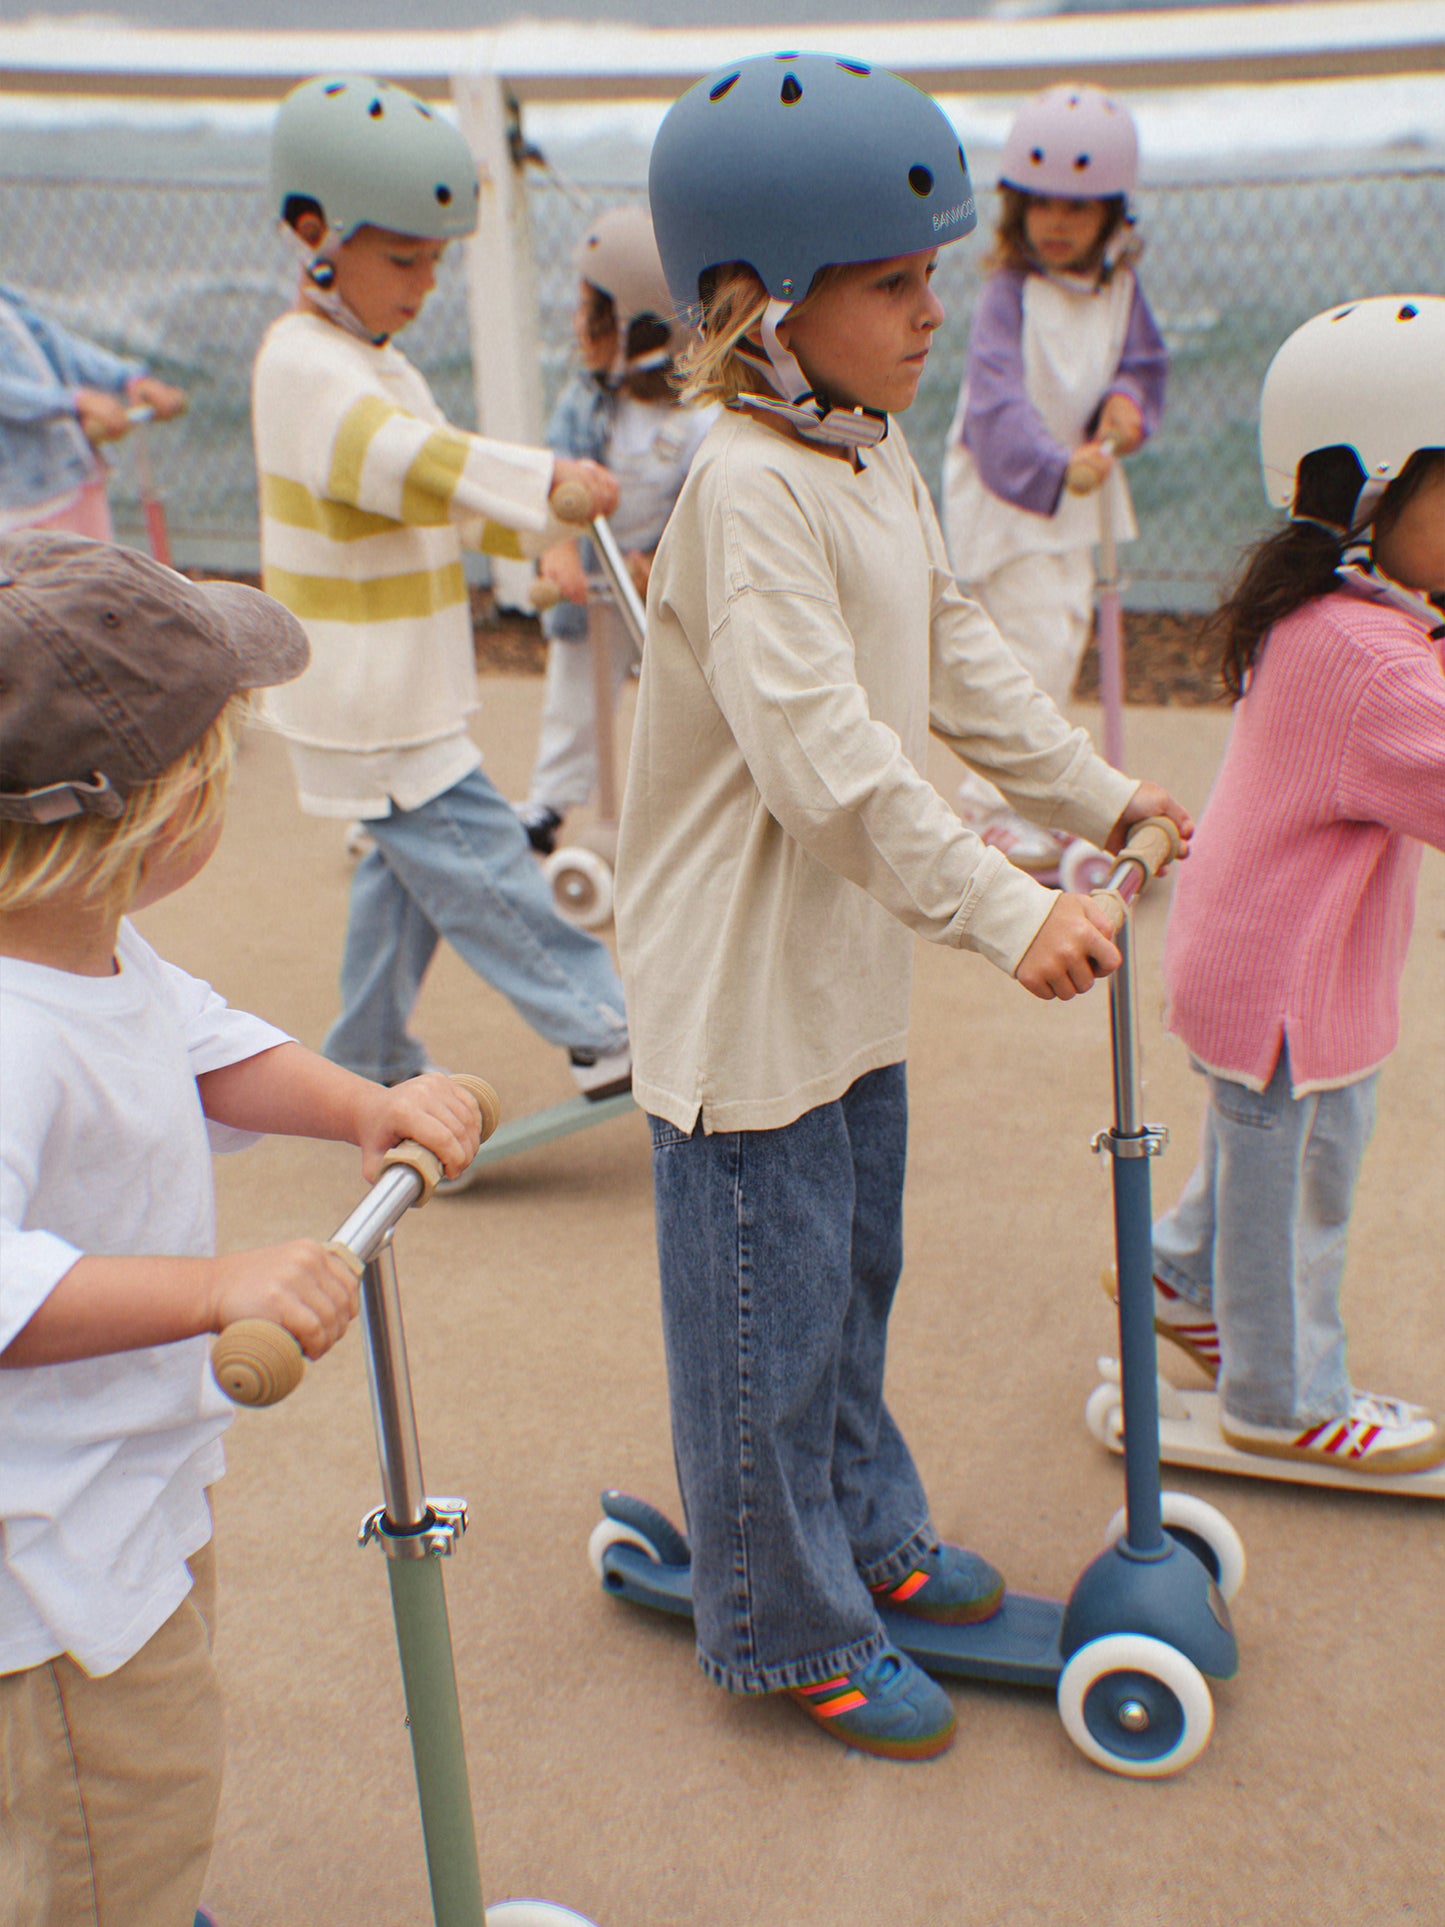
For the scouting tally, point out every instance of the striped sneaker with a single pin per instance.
(949, 1586)
(889, 1707)
(1178, 1319)
(1377, 1434)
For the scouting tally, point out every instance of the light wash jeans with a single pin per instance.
(461, 867)
(780, 1253)
(1259, 1234)
(566, 770)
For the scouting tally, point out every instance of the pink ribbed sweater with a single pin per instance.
(1291, 917)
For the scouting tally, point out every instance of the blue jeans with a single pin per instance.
(461, 867)
(1260, 1232)
(780, 1253)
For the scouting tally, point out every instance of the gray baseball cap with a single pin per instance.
(112, 666)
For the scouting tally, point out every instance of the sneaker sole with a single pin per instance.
(927, 1747)
(1423, 1457)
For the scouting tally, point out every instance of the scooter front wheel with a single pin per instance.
(1203, 1530)
(581, 886)
(1104, 1416)
(1135, 1706)
(534, 1913)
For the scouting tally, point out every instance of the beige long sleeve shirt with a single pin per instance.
(780, 842)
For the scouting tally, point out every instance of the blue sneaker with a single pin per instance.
(948, 1585)
(889, 1707)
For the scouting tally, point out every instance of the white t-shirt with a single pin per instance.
(650, 450)
(104, 1462)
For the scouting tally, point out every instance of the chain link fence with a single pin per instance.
(188, 275)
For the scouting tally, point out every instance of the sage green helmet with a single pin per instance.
(371, 154)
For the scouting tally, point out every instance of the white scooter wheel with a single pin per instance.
(534, 1913)
(1136, 1706)
(581, 886)
(1104, 1416)
(613, 1532)
(1201, 1527)
(1082, 868)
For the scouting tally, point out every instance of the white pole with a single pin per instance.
(502, 310)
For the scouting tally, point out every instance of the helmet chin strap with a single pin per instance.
(795, 401)
(318, 270)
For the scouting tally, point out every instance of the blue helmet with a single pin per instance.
(795, 162)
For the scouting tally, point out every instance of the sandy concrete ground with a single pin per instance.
(606, 1772)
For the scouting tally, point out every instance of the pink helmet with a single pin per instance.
(1072, 142)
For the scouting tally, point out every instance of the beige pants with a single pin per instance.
(1043, 607)
(111, 1785)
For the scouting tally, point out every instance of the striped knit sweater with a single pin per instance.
(367, 498)
(1291, 918)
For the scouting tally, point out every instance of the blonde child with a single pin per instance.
(622, 410)
(1288, 930)
(367, 496)
(116, 731)
(1066, 370)
(781, 847)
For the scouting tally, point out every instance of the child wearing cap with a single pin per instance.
(367, 497)
(121, 690)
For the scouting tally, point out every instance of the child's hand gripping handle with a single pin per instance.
(571, 502)
(257, 1362)
(1152, 846)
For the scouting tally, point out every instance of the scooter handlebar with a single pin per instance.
(257, 1362)
(1152, 846)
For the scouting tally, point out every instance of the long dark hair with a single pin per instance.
(1301, 561)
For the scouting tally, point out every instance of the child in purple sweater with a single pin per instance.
(1290, 922)
(1065, 370)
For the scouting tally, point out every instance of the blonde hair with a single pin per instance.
(734, 301)
(100, 858)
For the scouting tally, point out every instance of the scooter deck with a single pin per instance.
(1189, 1435)
(536, 1128)
(1020, 1644)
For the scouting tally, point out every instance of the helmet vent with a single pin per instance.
(376, 110)
(1081, 161)
(790, 90)
(723, 87)
(1036, 155)
(336, 87)
(854, 67)
(444, 195)
(422, 108)
(921, 181)
(1343, 312)
(1408, 312)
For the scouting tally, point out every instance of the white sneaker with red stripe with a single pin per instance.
(1183, 1323)
(1377, 1434)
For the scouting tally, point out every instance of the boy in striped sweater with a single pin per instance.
(368, 496)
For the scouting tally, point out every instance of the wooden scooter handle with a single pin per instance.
(1153, 845)
(257, 1362)
(571, 502)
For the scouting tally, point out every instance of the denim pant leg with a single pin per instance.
(1184, 1235)
(464, 864)
(770, 1364)
(389, 944)
(1285, 1170)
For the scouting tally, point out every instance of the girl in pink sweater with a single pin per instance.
(1290, 922)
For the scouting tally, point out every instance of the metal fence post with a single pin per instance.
(504, 319)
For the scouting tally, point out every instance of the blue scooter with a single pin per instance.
(1129, 1654)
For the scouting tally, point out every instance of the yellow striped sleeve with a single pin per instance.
(355, 436)
(499, 540)
(391, 598)
(432, 479)
(294, 505)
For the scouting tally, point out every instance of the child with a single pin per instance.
(367, 495)
(120, 713)
(62, 397)
(1287, 934)
(781, 846)
(619, 409)
(1065, 368)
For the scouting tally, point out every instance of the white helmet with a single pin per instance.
(1072, 143)
(618, 256)
(1368, 375)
